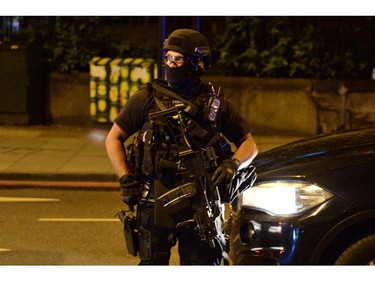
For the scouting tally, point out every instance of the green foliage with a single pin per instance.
(307, 47)
(237, 46)
(70, 42)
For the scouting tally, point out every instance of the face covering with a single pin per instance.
(181, 80)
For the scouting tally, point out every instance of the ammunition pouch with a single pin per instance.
(196, 131)
(221, 147)
(209, 157)
(149, 148)
(134, 153)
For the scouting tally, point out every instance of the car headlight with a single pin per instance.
(284, 197)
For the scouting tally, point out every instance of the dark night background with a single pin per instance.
(254, 46)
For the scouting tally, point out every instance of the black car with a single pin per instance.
(313, 203)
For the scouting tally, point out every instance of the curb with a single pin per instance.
(83, 177)
(69, 181)
(59, 184)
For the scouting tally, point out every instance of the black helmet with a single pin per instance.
(191, 42)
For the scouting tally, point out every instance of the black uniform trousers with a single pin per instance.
(156, 242)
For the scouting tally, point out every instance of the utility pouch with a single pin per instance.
(134, 153)
(130, 152)
(138, 156)
(149, 142)
(209, 157)
(130, 228)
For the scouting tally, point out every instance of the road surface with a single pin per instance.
(41, 226)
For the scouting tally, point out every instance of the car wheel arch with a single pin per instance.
(363, 221)
(359, 253)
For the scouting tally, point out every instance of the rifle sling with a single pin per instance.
(170, 93)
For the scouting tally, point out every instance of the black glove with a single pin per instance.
(225, 172)
(130, 190)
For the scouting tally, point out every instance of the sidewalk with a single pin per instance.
(57, 156)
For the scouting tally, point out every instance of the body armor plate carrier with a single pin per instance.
(175, 155)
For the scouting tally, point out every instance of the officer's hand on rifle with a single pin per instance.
(225, 172)
(130, 190)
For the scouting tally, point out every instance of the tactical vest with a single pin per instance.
(154, 154)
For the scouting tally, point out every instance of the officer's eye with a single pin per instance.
(179, 60)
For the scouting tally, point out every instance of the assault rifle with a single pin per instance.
(196, 182)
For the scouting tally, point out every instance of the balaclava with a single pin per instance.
(193, 45)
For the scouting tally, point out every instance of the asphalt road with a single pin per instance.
(40, 226)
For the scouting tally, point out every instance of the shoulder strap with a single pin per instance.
(168, 92)
(159, 103)
(191, 107)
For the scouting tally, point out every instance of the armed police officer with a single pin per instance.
(179, 165)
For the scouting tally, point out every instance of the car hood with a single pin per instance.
(317, 155)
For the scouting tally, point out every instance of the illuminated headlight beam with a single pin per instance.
(284, 197)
